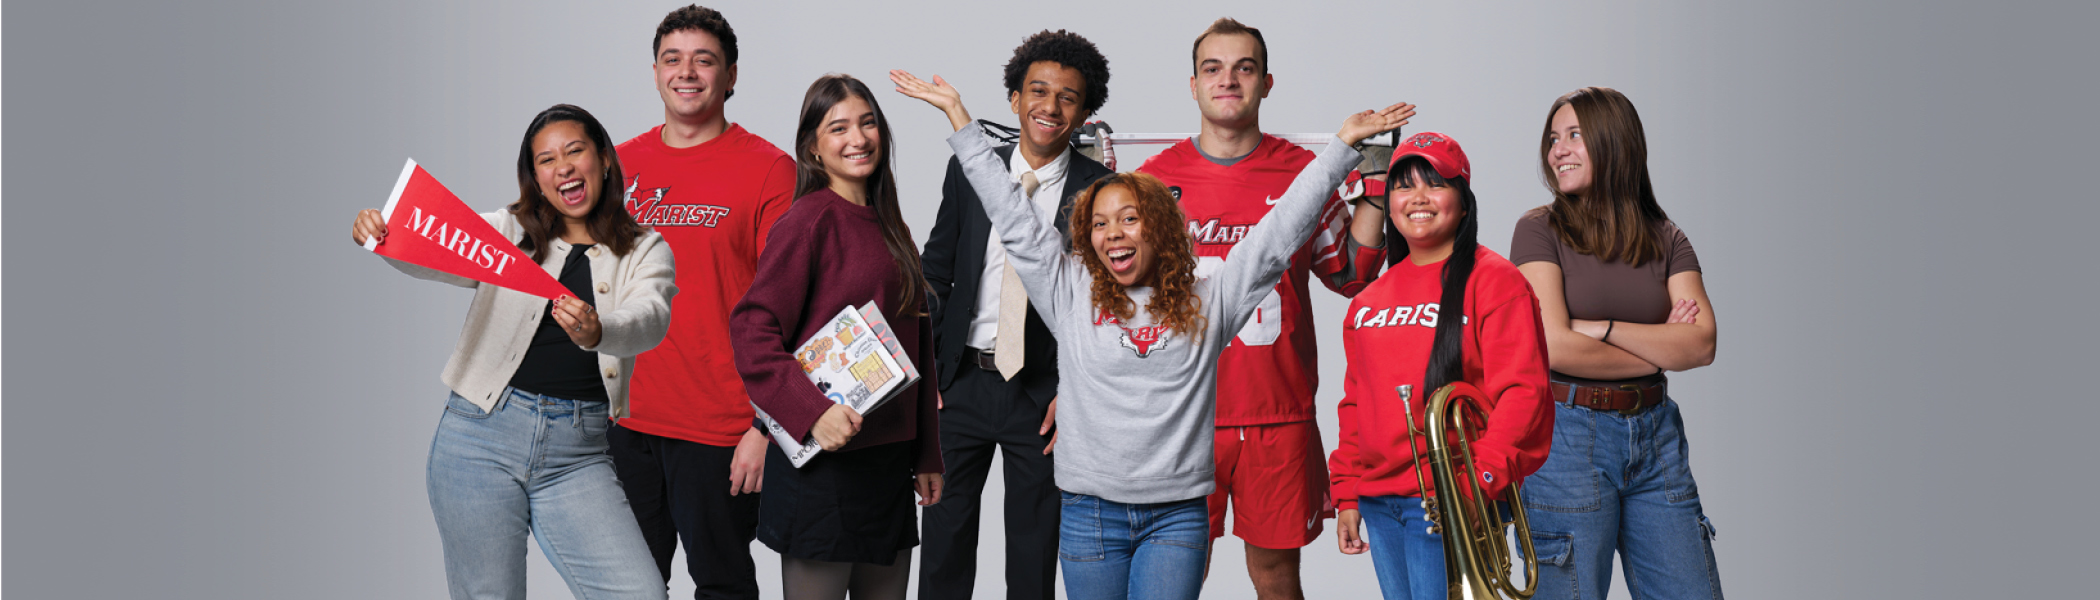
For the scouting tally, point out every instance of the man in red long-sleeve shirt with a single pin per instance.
(686, 451)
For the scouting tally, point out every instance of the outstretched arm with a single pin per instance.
(1258, 261)
(1033, 247)
(937, 93)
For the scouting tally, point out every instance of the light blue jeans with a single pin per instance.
(1408, 559)
(1138, 551)
(1620, 484)
(536, 464)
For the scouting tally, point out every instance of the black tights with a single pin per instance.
(803, 579)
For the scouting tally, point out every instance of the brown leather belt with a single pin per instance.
(979, 359)
(1627, 399)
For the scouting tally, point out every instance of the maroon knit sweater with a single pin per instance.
(823, 255)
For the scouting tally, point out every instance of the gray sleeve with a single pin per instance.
(1032, 247)
(1258, 261)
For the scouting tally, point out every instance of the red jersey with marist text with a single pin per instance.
(714, 204)
(1269, 372)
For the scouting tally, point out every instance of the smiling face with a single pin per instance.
(1119, 236)
(1427, 214)
(1049, 105)
(1230, 80)
(692, 75)
(568, 169)
(1567, 154)
(849, 144)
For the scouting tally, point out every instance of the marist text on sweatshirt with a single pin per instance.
(1387, 335)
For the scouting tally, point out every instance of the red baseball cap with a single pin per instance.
(1443, 154)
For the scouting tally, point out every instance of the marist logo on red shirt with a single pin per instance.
(1423, 315)
(649, 208)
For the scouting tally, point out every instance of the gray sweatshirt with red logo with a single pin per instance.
(1136, 401)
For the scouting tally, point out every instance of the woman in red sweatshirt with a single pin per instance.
(844, 519)
(1398, 333)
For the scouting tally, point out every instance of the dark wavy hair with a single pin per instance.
(608, 222)
(1447, 358)
(826, 92)
(1174, 302)
(1064, 48)
(1616, 218)
(695, 17)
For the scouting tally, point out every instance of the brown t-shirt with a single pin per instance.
(1596, 290)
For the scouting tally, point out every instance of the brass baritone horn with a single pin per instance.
(1476, 557)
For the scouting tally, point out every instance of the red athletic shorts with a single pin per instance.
(1276, 476)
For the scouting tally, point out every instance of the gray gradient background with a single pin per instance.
(217, 395)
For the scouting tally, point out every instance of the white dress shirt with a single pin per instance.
(984, 325)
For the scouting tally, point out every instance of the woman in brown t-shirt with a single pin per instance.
(1622, 300)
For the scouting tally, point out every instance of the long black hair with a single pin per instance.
(1447, 358)
(608, 221)
(810, 176)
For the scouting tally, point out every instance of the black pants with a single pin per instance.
(680, 489)
(985, 412)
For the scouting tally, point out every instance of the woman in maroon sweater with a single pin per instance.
(845, 516)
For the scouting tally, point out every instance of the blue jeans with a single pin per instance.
(1617, 483)
(536, 464)
(1139, 551)
(1409, 560)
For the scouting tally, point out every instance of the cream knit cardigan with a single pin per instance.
(633, 295)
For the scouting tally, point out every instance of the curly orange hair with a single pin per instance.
(1174, 302)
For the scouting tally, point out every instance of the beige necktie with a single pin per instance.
(1009, 349)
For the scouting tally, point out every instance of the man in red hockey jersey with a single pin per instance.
(1271, 465)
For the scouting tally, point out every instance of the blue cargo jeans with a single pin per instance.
(1620, 484)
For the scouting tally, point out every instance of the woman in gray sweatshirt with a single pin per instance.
(1134, 461)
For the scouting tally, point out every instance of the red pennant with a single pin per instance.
(428, 226)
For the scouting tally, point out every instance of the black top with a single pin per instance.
(554, 365)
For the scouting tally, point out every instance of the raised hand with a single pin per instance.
(938, 93)
(1373, 122)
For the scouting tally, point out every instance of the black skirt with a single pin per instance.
(855, 506)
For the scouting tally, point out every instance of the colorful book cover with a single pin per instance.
(854, 360)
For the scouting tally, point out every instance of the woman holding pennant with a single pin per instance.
(844, 520)
(521, 446)
(1134, 463)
